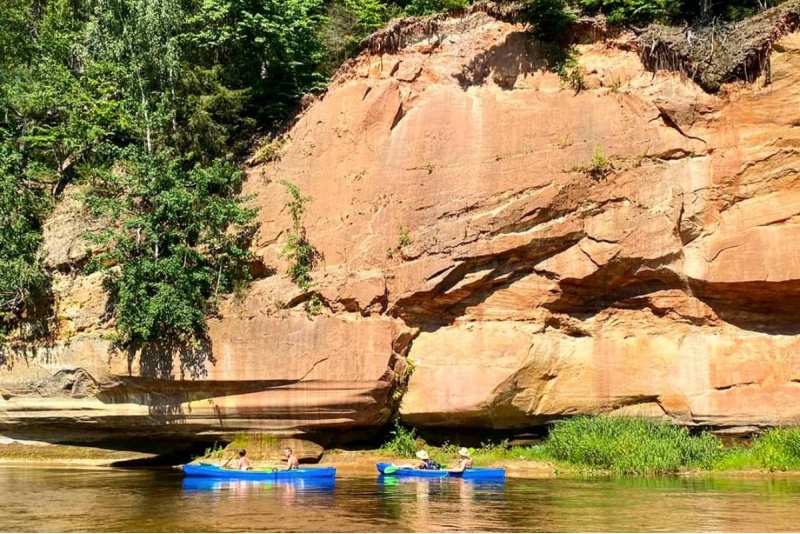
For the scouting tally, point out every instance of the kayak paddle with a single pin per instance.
(391, 469)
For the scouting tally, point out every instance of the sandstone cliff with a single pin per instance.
(474, 273)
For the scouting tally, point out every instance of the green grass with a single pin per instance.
(533, 453)
(736, 458)
(623, 446)
(631, 446)
(778, 449)
(212, 453)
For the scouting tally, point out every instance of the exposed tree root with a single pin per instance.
(716, 54)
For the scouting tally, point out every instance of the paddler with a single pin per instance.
(464, 461)
(291, 460)
(427, 463)
(244, 461)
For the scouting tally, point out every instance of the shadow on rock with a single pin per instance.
(159, 359)
(518, 55)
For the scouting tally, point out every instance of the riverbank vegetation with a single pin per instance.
(625, 446)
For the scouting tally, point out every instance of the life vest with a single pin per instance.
(430, 465)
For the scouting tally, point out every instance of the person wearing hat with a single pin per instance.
(464, 460)
(427, 463)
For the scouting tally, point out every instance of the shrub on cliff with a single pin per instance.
(21, 276)
(428, 7)
(551, 20)
(403, 441)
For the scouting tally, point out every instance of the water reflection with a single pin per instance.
(156, 501)
(425, 504)
(250, 487)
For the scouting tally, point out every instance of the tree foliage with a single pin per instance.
(21, 278)
(551, 18)
(175, 248)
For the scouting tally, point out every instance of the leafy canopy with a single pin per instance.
(175, 248)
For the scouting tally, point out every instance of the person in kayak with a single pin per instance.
(244, 461)
(464, 461)
(291, 460)
(426, 464)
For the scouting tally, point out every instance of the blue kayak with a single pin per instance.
(473, 473)
(305, 473)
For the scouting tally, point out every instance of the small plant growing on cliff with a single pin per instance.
(314, 305)
(565, 141)
(571, 72)
(599, 167)
(269, 151)
(430, 168)
(404, 239)
(302, 254)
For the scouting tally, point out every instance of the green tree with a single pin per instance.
(270, 48)
(184, 239)
(428, 7)
(551, 20)
(21, 278)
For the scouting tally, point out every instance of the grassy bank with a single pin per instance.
(626, 447)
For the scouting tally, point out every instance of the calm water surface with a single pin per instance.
(39, 499)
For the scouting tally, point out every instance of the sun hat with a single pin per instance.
(422, 455)
(463, 452)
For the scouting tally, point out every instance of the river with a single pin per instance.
(58, 499)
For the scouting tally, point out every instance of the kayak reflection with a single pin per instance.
(489, 484)
(438, 504)
(253, 486)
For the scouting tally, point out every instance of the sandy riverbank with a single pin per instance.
(49, 454)
(358, 463)
(348, 463)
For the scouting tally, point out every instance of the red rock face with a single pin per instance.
(664, 288)
(461, 227)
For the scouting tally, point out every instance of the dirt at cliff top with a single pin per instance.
(716, 54)
(710, 55)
